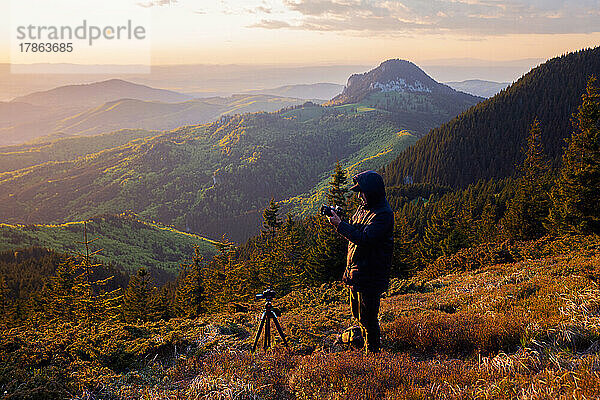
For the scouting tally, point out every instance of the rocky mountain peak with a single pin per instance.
(390, 76)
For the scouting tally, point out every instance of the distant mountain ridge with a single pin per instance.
(478, 87)
(323, 91)
(27, 117)
(16, 112)
(116, 104)
(91, 94)
(154, 115)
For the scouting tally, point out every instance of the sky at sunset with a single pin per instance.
(325, 31)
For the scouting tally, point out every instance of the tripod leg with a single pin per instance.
(279, 330)
(267, 342)
(260, 328)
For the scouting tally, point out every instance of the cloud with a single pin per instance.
(157, 3)
(259, 9)
(264, 9)
(271, 24)
(321, 7)
(467, 17)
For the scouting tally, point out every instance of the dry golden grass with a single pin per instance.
(528, 329)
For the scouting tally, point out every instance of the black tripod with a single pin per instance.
(265, 322)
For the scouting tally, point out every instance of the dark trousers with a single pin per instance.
(365, 308)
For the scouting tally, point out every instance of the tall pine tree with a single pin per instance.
(136, 301)
(190, 296)
(404, 247)
(527, 211)
(271, 221)
(338, 192)
(326, 256)
(576, 194)
(448, 230)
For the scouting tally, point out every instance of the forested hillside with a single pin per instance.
(124, 241)
(213, 179)
(486, 141)
(25, 271)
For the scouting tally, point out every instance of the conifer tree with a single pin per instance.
(404, 247)
(326, 254)
(190, 296)
(136, 300)
(90, 295)
(576, 194)
(271, 221)
(487, 226)
(160, 304)
(326, 259)
(448, 230)
(527, 211)
(5, 302)
(61, 296)
(337, 192)
(439, 226)
(279, 267)
(221, 277)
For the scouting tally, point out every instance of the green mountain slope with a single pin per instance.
(64, 144)
(486, 141)
(126, 242)
(213, 179)
(384, 148)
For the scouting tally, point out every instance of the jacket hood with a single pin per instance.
(371, 184)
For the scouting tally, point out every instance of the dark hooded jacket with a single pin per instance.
(370, 236)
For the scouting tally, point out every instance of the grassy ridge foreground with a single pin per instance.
(511, 320)
(126, 241)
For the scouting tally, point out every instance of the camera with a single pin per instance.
(267, 295)
(328, 210)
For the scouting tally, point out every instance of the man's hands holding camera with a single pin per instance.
(330, 212)
(334, 219)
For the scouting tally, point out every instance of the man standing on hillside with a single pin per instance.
(370, 244)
